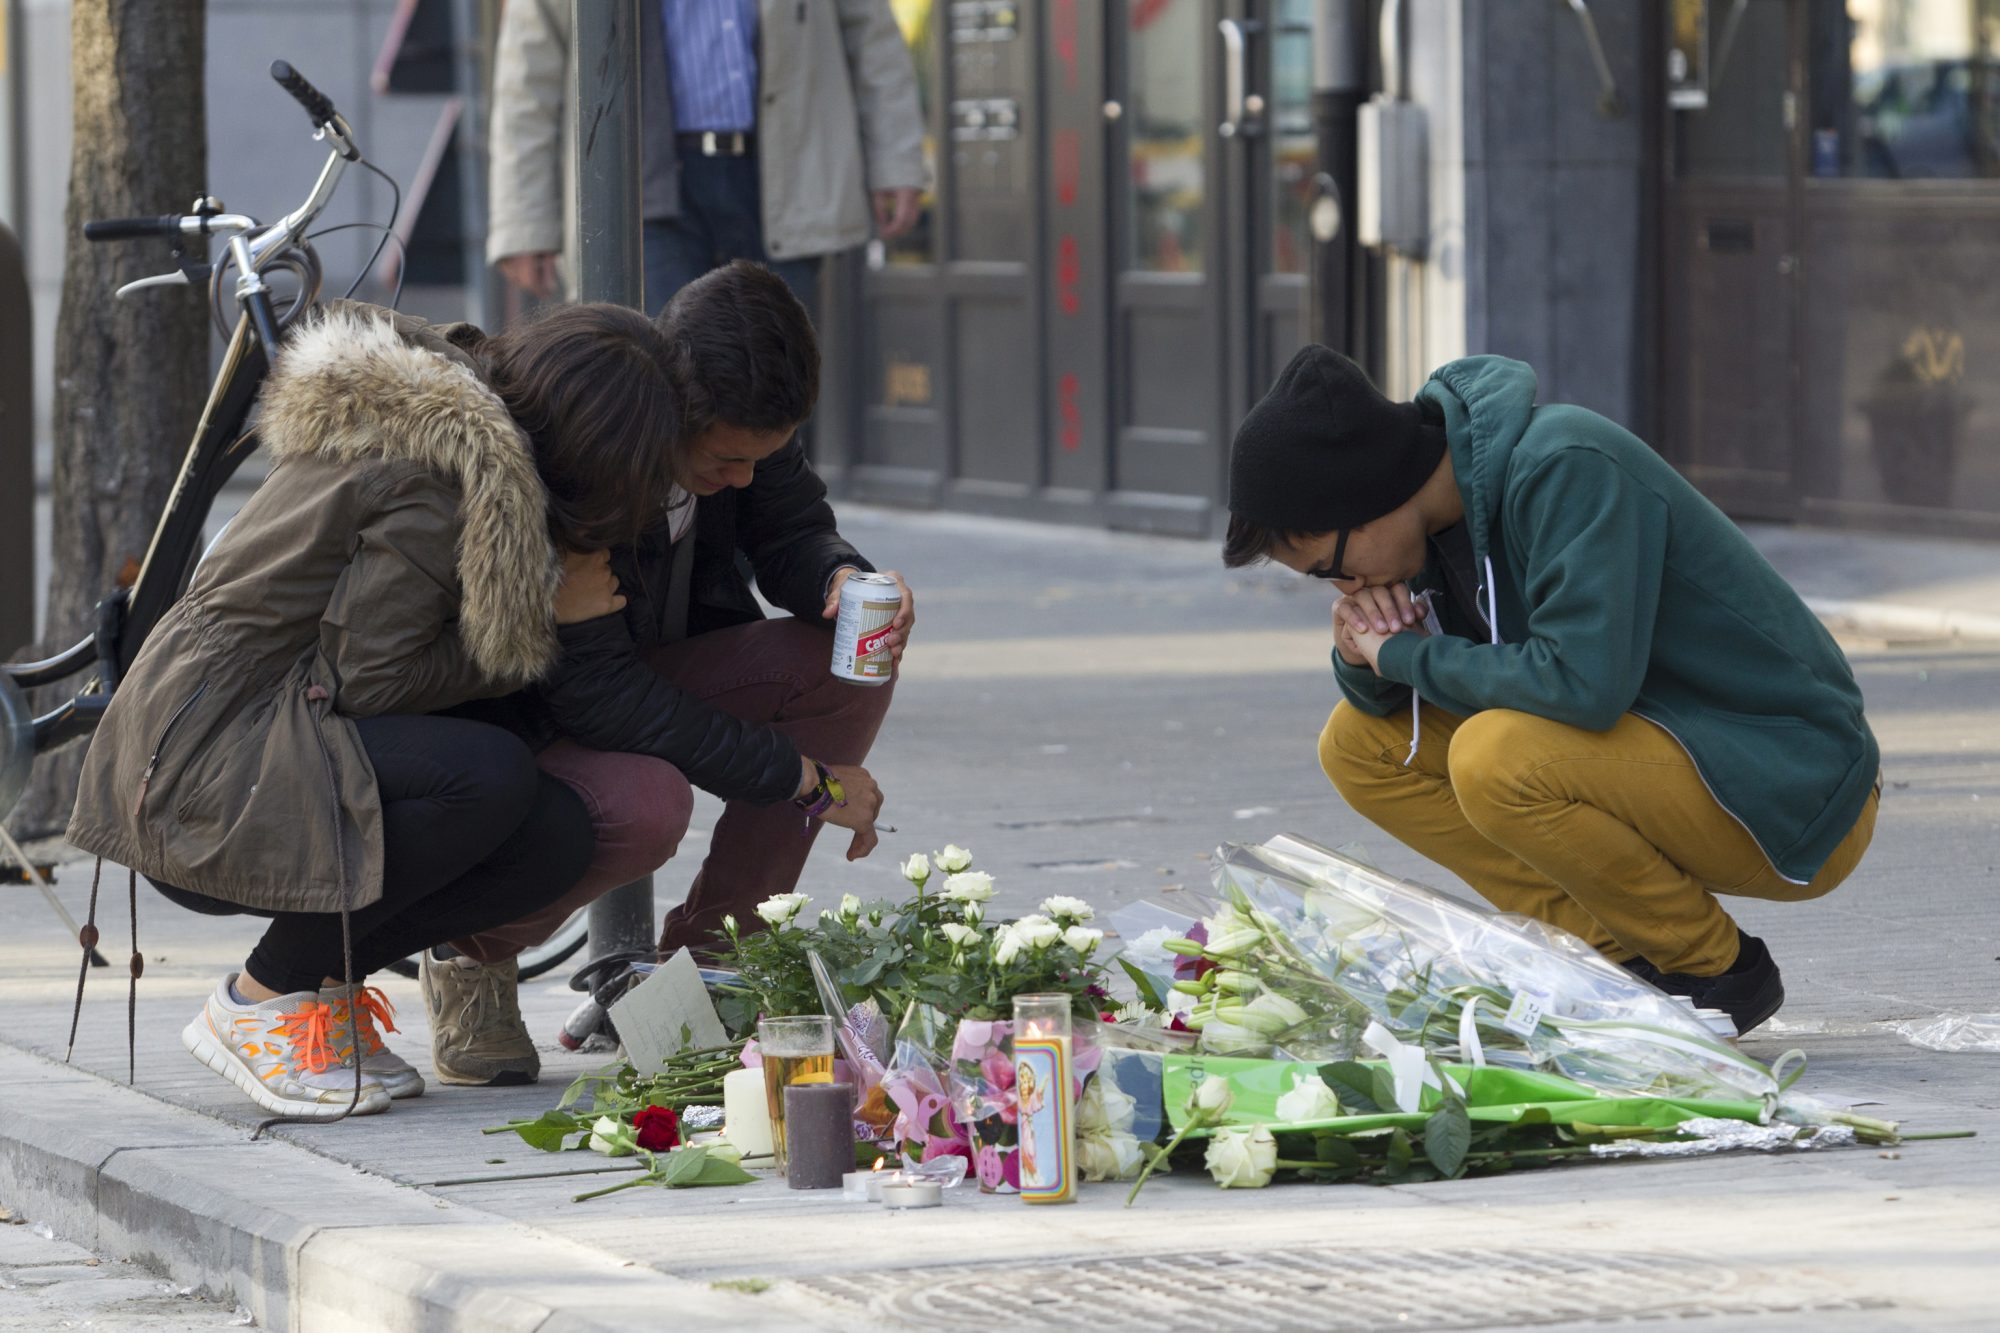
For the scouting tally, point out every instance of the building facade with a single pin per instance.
(1755, 231)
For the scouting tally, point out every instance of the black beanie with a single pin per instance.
(1325, 450)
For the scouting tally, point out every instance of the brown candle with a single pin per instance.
(819, 1134)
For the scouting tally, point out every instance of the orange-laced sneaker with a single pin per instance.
(286, 1053)
(373, 1014)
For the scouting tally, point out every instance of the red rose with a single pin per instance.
(659, 1128)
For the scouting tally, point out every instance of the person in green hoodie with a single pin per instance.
(1566, 677)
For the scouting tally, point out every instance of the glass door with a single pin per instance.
(1211, 159)
(1729, 250)
(1901, 236)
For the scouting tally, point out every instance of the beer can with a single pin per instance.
(868, 602)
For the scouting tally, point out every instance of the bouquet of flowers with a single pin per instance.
(1313, 955)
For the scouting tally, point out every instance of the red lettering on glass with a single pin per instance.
(1072, 414)
(1067, 154)
(1064, 31)
(1069, 274)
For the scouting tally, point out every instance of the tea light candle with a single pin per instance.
(746, 1116)
(864, 1186)
(819, 1134)
(907, 1192)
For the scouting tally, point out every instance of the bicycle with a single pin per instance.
(221, 444)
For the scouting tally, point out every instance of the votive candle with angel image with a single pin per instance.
(1044, 1082)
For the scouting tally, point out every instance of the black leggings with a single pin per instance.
(474, 836)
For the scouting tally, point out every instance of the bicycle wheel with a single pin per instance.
(544, 957)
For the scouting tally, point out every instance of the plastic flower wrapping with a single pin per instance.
(1312, 955)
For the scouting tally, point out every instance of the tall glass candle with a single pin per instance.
(1044, 1087)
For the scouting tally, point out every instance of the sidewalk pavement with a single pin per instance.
(1092, 714)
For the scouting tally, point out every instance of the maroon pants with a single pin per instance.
(774, 672)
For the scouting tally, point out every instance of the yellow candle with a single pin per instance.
(746, 1116)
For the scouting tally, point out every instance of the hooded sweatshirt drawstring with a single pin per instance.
(1493, 631)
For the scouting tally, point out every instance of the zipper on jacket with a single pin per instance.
(1768, 858)
(159, 746)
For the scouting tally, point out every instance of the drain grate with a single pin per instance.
(1327, 1288)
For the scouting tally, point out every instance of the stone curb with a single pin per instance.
(305, 1243)
(1901, 620)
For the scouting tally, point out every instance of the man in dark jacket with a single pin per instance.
(689, 685)
(1568, 678)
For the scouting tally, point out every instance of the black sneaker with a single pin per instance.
(1749, 992)
(1642, 970)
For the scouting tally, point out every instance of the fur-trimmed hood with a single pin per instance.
(360, 384)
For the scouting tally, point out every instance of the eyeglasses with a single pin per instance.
(1332, 570)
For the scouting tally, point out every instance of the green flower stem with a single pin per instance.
(1503, 1154)
(1940, 1134)
(650, 1178)
(1199, 1119)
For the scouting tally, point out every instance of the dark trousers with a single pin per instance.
(721, 219)
(474, 835)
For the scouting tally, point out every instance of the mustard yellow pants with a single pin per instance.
(1611, 835)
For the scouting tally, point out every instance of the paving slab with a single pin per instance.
(1167, 706)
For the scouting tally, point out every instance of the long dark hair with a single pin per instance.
(592, 386)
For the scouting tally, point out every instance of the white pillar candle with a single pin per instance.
(864, 1186)
(746, 1116)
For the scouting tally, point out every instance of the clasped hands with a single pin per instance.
(1365, 619)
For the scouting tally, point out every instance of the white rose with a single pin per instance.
(1083, 939)
(850, 908)
(1108, 1156)
(960, 936)
(1037, 932)
(917, 869)
(1212, 1096)
(969, 886)
(1242, 1158)
(1105, 1107)
(780, 909)
(953, 859)
(610, 1137)
(1311, 1099)
(972, 912)
(1068, 909)
(1006, 946)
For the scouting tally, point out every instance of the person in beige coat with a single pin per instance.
(271, 751)
(773, 130)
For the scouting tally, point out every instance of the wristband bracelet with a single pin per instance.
(826, 794)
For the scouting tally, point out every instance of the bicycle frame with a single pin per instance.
(221, 443)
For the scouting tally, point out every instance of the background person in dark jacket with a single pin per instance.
(1619, 711)
(689, 685)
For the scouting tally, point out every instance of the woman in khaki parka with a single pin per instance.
(273, 751)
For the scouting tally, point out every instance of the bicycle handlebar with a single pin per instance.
(317, 104)
(128, 229)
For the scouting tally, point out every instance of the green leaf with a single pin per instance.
(548, 1131)
(1336, 1151)
(1354, 1084)
(689, 1167)
(1149, 995)
(1382, 1084)
(1447, 1136)
(1401, 1152)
